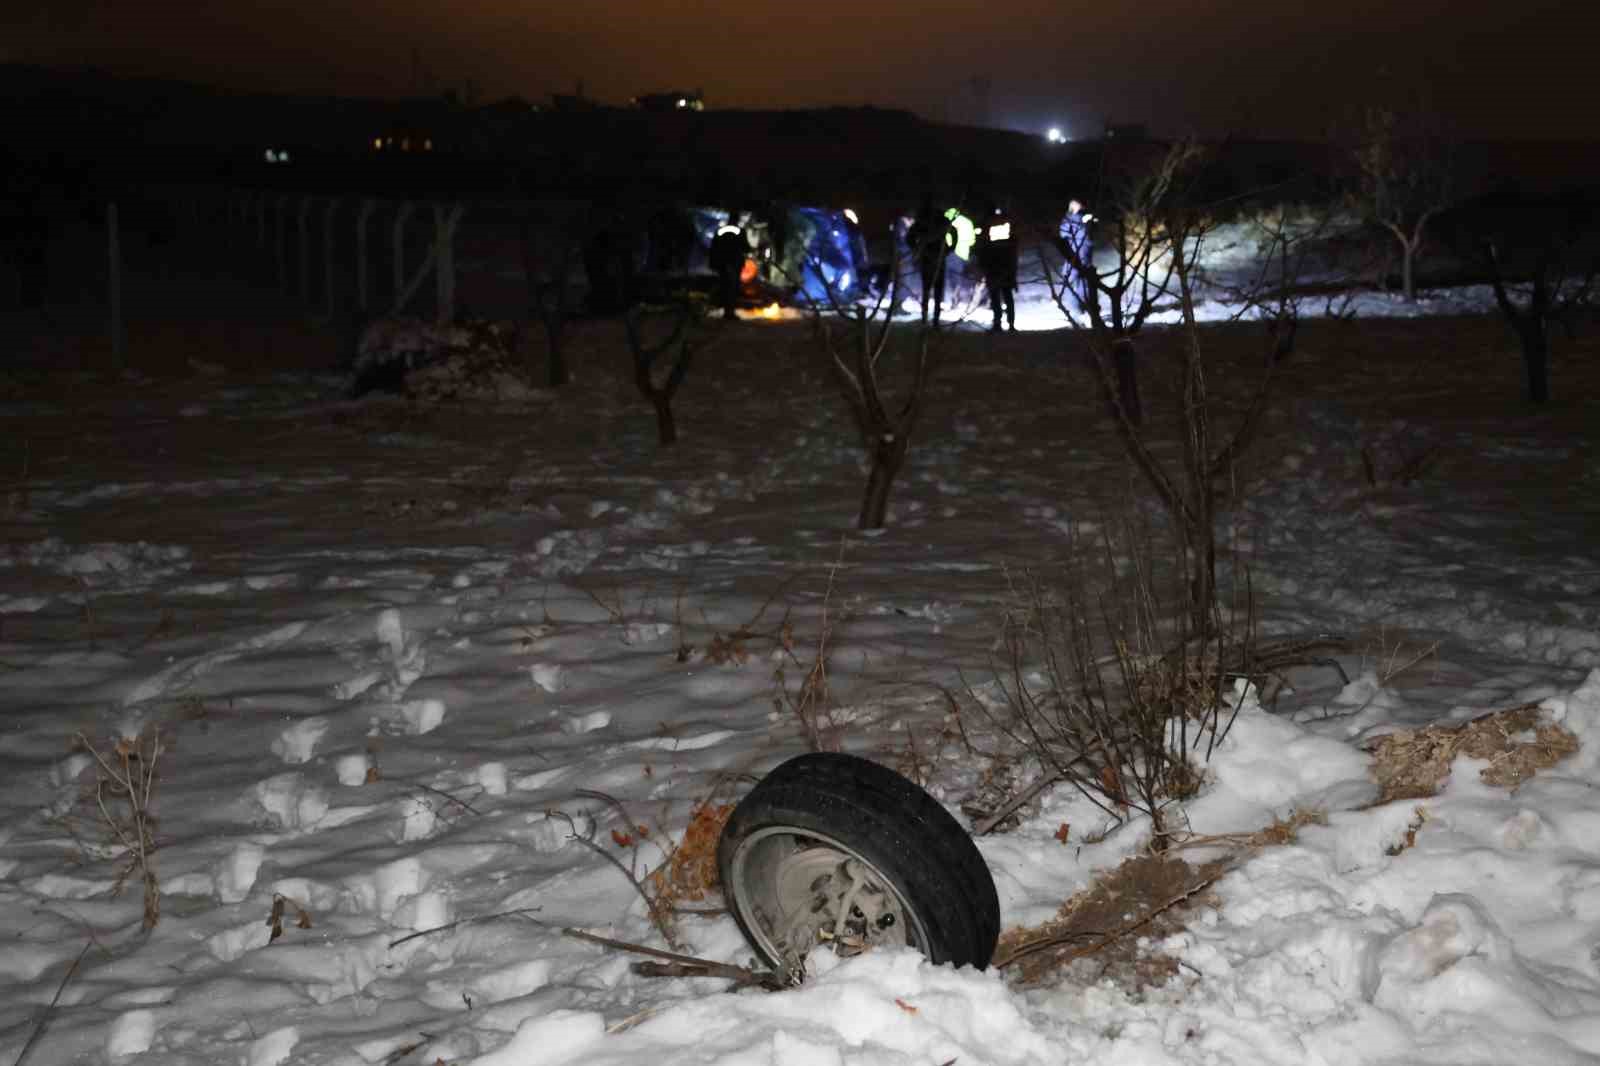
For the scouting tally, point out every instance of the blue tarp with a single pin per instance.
(835, 266)
(822, 250)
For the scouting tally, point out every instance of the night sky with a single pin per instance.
(1510, 68)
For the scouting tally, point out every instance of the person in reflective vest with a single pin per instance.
(965, 233)
(997, 257)
(729, 249)
(1079, 252)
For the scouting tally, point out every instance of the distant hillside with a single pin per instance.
(512, 147)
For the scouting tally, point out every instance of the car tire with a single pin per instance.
(832, 848)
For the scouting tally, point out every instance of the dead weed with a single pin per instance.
(1104, 931)
(690, 873)
(1282, 831)
(1101, 932)
(281, 905)
(126, 772)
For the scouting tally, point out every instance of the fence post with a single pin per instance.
(327, 251)
(283, 242)
(444, 227)
(400, 219)
(114, 262)
(305, 250)
(361, 254)
(244, 223)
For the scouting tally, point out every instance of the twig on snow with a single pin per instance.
(520, 912)
(679, 965)
(656, 912)
(49, 1011)
(463, 804)
(1044, 781)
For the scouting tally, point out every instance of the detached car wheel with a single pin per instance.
(835, 849)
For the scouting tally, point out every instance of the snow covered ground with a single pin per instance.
(1229, 263)
(395, 654)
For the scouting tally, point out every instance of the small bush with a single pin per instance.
(124, 789)
(1116, 692)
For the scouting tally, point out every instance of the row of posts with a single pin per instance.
(438, 260)
(241, 206)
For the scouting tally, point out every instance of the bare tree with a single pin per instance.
(1119, 299)
(1544, 268)
(857, 338)
(1164, 235)
(1115, 684)
(657, 380)
(1406, 174)
(549, 245)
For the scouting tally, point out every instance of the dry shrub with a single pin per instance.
(690, 872)
(1113, 691)
(731, 649)
(124, 788)
(1517, 743)
(808, 699)
(922, 755)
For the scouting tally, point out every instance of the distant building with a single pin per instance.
(402, 141)
(671, 101)
(415, 126)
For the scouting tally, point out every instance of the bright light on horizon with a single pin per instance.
(1055, 135)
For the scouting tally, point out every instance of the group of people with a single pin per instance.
(931, 238)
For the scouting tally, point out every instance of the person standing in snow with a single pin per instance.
(1076, 245)
(728, 252)
(931, 237)
(997, 257)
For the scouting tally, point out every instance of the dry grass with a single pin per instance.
(1282, 831)
(1101, 928)
(1103, 931)
(1517, 743)
(1099, 932)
